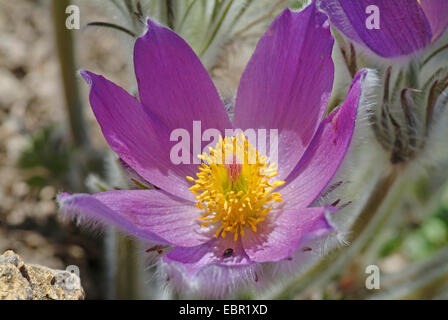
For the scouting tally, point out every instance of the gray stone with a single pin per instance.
(19, 281)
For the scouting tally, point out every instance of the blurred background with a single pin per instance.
(50, 141)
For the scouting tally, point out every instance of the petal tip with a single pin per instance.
(61, 197)
(328, 216)
(151, 25)
(87, 76)
(361, 74)
(359, 78)
(287, 11)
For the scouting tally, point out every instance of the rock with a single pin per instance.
(13, 286)
(34, 282)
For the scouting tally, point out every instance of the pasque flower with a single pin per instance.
(225, 218)
(405, 27)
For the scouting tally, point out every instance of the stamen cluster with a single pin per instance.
(233, 186)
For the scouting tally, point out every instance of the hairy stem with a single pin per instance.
(339, 258)
(66, 55)
(128, 273)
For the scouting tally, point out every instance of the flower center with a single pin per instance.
(233, 186)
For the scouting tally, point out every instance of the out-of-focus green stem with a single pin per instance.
(216, 7)
(127, 268)
(216, 29)
(338, 256)
(374, 203)
(185, 16)
(65, 49)
(170, 14)
(266, 15)
(241, 12)
(432, 55)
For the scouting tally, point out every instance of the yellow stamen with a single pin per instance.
(233, 187)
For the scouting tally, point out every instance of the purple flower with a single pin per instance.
(222, 221)
(406, 26)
